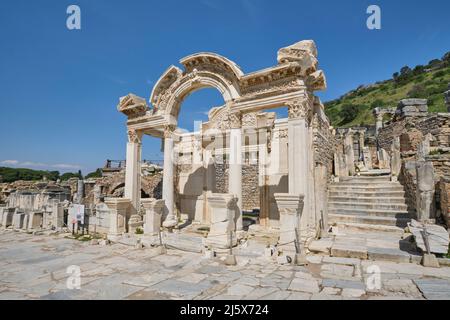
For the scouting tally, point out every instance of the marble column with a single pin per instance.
(297, 209)
(235, 165)
(168, 178)
(262, 181)
(133, 171)
(379, 122)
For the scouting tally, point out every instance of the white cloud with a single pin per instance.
(61, 166)
(9, 162)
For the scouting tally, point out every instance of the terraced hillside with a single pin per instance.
(426, 82)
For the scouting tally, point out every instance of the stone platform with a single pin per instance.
(35, 267)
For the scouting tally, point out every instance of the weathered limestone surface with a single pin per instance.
(118, 216)
(445, 199)
(223, 214)
(153, 213)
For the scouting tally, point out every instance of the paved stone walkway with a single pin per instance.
(35, 267)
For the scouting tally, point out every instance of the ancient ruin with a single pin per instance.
(295, 184)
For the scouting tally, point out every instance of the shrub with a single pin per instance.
(349, 112)
(417, 91)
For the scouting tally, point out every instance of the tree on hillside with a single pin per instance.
(377, 104)
(405, 70)
(417, 91)
(349, 112)
(69, 175)
(96, 174)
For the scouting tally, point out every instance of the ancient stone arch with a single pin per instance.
(291, 83)
(201, 70)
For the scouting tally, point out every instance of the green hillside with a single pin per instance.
(426, 82)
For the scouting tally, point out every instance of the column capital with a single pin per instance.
(299, 109)
(134, 136)
(235, 119)
(169, 130)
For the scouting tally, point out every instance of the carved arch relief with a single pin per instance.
(201, 71)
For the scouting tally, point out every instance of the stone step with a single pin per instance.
(362, 188)
(366, 179)
(380, 184)
(367, 199)
(376, 172)
(368, 194)
(375, 220)
(370, 212)
(367, 206)
(351, 226)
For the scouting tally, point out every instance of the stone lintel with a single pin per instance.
(117, 203)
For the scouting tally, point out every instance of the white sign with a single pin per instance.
(76, 214)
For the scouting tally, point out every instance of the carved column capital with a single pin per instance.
(235, 119)
(134, 136)
(168, 130)
(299, 109)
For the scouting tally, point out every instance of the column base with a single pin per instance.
(170, 224)
(290, 207)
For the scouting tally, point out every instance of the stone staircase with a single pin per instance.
(370, 203)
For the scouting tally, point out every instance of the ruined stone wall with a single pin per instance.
(114, 186)
(444, 189)
(250, 185)
(408, 179)
(389, 132)
(324, 143)
(441, 164)
(411, 131)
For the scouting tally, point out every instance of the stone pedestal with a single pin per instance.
(134, 223)
(35, 220)
(222, 233)
(384, 160)
(396, 160)
(425, 190)
(7, 219)
(57, 214)
(290, 207)
(153, 213)
(117, 216)
(2, 210)
(17, 220)
(349, 153)
(367, 158)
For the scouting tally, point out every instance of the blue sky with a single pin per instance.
(59, 88)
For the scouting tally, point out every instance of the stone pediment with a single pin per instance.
(132, 106)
